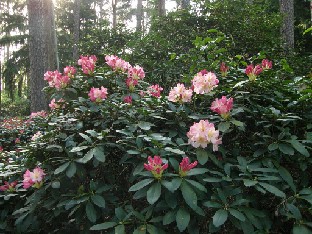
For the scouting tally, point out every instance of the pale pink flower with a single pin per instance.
(116, 63)
(52, 77)
(87, 64)
(136, 73)
(222, 106)
(203, 133)
(155, 166)
(266, 64)
(180, 94)
(154, 90)
(131, 83)
(17, 141)
(224, 69)
(186, 166)
(98, 95)
(41, 114)
(252, 72)
(8, 186)
(204, 83)
(36, 136)
(34, 178)
(128, 99)
(69, 71)
(57, 104)
(1, 149)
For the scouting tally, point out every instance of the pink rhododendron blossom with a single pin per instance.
(142, 93)
(41, 114)
(17, 141)
(8, 186)
(252, 72)
(266, 64)
(128, 99)
(57, 104)
(116, 63)
(154, 90)
(36, 136)
(203, 133)
(1, 149)
(203, 72)
(34, 178)
(186, 166)
(98, 95)
(56, 79)
(131, 83)
(87, 64)
(180, 94)
(224, 69)
(136, 73)
(204, 83)
(155, 166)
(69, 71)
(222, 106)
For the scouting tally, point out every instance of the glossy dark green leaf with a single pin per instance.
(103, 226)
(183, 218)
(91, 212)
(219, 217)
(141, 184)
(153, 193)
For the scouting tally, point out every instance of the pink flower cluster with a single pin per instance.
(36, 136)
(87, 64)
(8, 186)
(69, 71)
(41, 114)
(155, 166)
(97, 94)
(202, 133)
(180, 94)
(57, 104)
(56, 79)
(222, 106)
(204, 82)
(224, 69)
(34, 178)
(253, 71)
(128, 99)
(116, 63)
(136, 73)
(186, 166)
(154, 90)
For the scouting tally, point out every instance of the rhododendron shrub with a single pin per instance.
(126, 156)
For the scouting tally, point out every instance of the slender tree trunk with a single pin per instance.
(287, 28)
(185, 4)
(139, 17)
(41, 50)
(311, 10)
(161, 7)
(76, 29)
(114, 6)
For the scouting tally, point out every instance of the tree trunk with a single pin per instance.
(311, 10)
(41, 50)
(287, 28)
(185, 4)
(114, 6)
(139, 16)
(76, 29)
(161, 7)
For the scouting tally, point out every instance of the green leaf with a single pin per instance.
(286, 149)
(98, 200)
(299, 147)
(212, 204)
(237, 123)
(99, 154)
(197, 171)
(273, 146)
(140, 184)
(273, 189)
(103, 226)
(169, 217)
(301, 229)
(91, 212)
(197, 185)
(176, 151)
(145, 125)
(153, 193)
(224, 126)
(212, 179)
(219, 217)
(56, 184)
(287, 177)
(120, 229)
(78, 149)
(88, 156)
(182, 219)
(61, 168)
(202, 156)
(295, 211)
(249, 183)
(189, 195)
(173, 185)
(237, 214)
(86, 137)
(71, 170)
